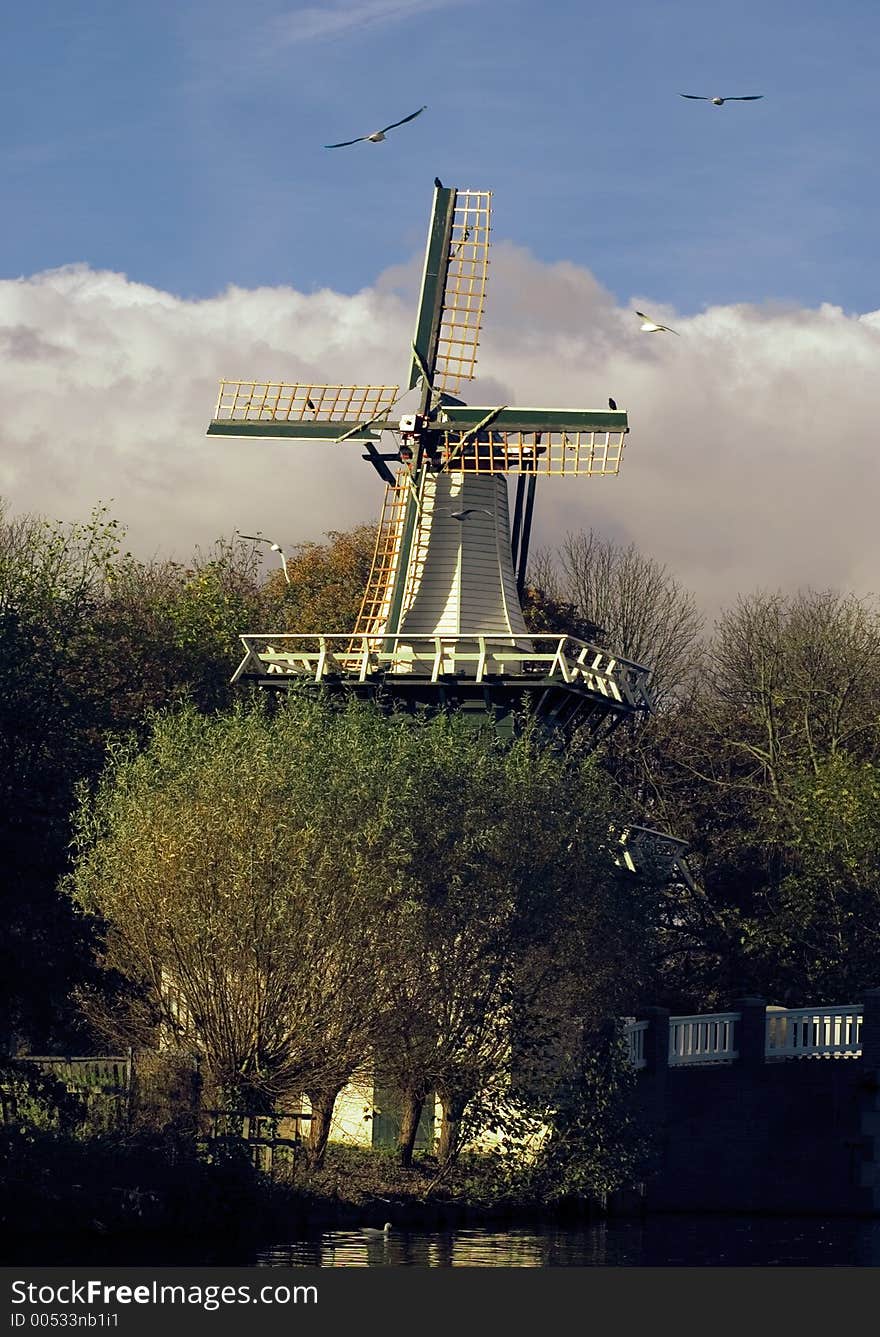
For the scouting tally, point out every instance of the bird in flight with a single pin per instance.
(612, 403)
(273, 547)
(469, 511)
(651, 326)
(719, 101)
(378, 135)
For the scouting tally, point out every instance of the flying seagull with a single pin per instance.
(612, 404)
(468, 511)
(378, 135)
(273, 547)
(651, 326)
(719, 101)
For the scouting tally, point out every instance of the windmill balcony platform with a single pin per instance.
(408, 663)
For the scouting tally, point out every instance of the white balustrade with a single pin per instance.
(364, 655)
(634, 1035)
(796, 1032)
(810, 1032)
(702, 1039)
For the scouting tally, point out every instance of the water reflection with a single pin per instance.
(668, 1241)
(657, 1241)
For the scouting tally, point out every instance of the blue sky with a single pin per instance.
(170, 216)
(180, 142)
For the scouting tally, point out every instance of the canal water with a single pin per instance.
(661, 1241)
(657, 1241)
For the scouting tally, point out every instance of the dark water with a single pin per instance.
(668, 1241)
(658, 1241)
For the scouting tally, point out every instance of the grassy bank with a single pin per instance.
(110, 1185)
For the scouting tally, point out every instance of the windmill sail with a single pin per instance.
(465, 291)
(375, 605)
(453, 289)
(453, 577)
(275, 408)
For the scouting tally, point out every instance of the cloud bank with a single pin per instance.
(751, 460)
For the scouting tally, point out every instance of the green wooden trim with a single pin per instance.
(534, 419)
(296, 431)
(433, 283)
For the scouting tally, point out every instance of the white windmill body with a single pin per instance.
(461, 580)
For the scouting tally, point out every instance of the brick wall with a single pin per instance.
(788, 1136)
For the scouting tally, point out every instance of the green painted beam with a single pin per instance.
(294, 431)
(433, 283)
(512, 419)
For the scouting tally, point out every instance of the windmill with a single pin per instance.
(441, 622)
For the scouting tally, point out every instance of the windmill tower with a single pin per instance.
(441, 622)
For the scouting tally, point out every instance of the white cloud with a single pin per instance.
(310, 22)
(751, 459)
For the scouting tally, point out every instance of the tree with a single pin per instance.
(236, 867)
(294, 889)
(636, 604)
(790, 693)
(818, 938)
(51, 578)
(508, 867)
(795, 680)
(90, 641)
(326, 582)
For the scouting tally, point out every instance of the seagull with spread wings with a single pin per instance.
(378, 135)
(719, 101)
(652, 326)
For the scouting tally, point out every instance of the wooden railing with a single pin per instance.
(109, 1074)
(364, 656)
(272, 1140)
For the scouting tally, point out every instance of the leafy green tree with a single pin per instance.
(791, 688)
(90, 642)
(295, 890)
(818, 938)
(596, 1142)
(166, 632)
(508, 868)
(236, 865)
(51, 579)
(325, 582)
